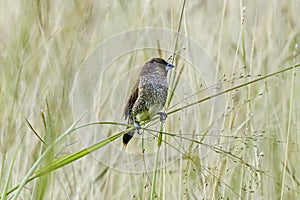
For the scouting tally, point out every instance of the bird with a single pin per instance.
(148, 96)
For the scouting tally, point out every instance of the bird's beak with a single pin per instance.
(169, 66)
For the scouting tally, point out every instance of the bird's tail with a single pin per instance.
(127, 137)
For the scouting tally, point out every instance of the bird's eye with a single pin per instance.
(170, 65)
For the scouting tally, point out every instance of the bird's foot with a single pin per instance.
(137, 124)
(163, 116)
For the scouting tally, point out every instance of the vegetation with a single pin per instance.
(66, 71)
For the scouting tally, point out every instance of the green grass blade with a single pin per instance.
(40, 159)
(60, 162)
(3, 196)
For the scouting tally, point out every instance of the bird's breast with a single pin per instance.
(154, 109)
(153, 91)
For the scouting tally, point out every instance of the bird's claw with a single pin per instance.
(163, 116)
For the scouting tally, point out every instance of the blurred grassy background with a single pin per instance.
(43, 45)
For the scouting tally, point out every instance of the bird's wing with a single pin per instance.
(132, 99)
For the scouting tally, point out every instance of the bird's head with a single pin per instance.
(158, 65)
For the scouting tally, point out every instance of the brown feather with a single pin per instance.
(131, 100)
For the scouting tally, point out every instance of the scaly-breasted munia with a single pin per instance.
(149, 95)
